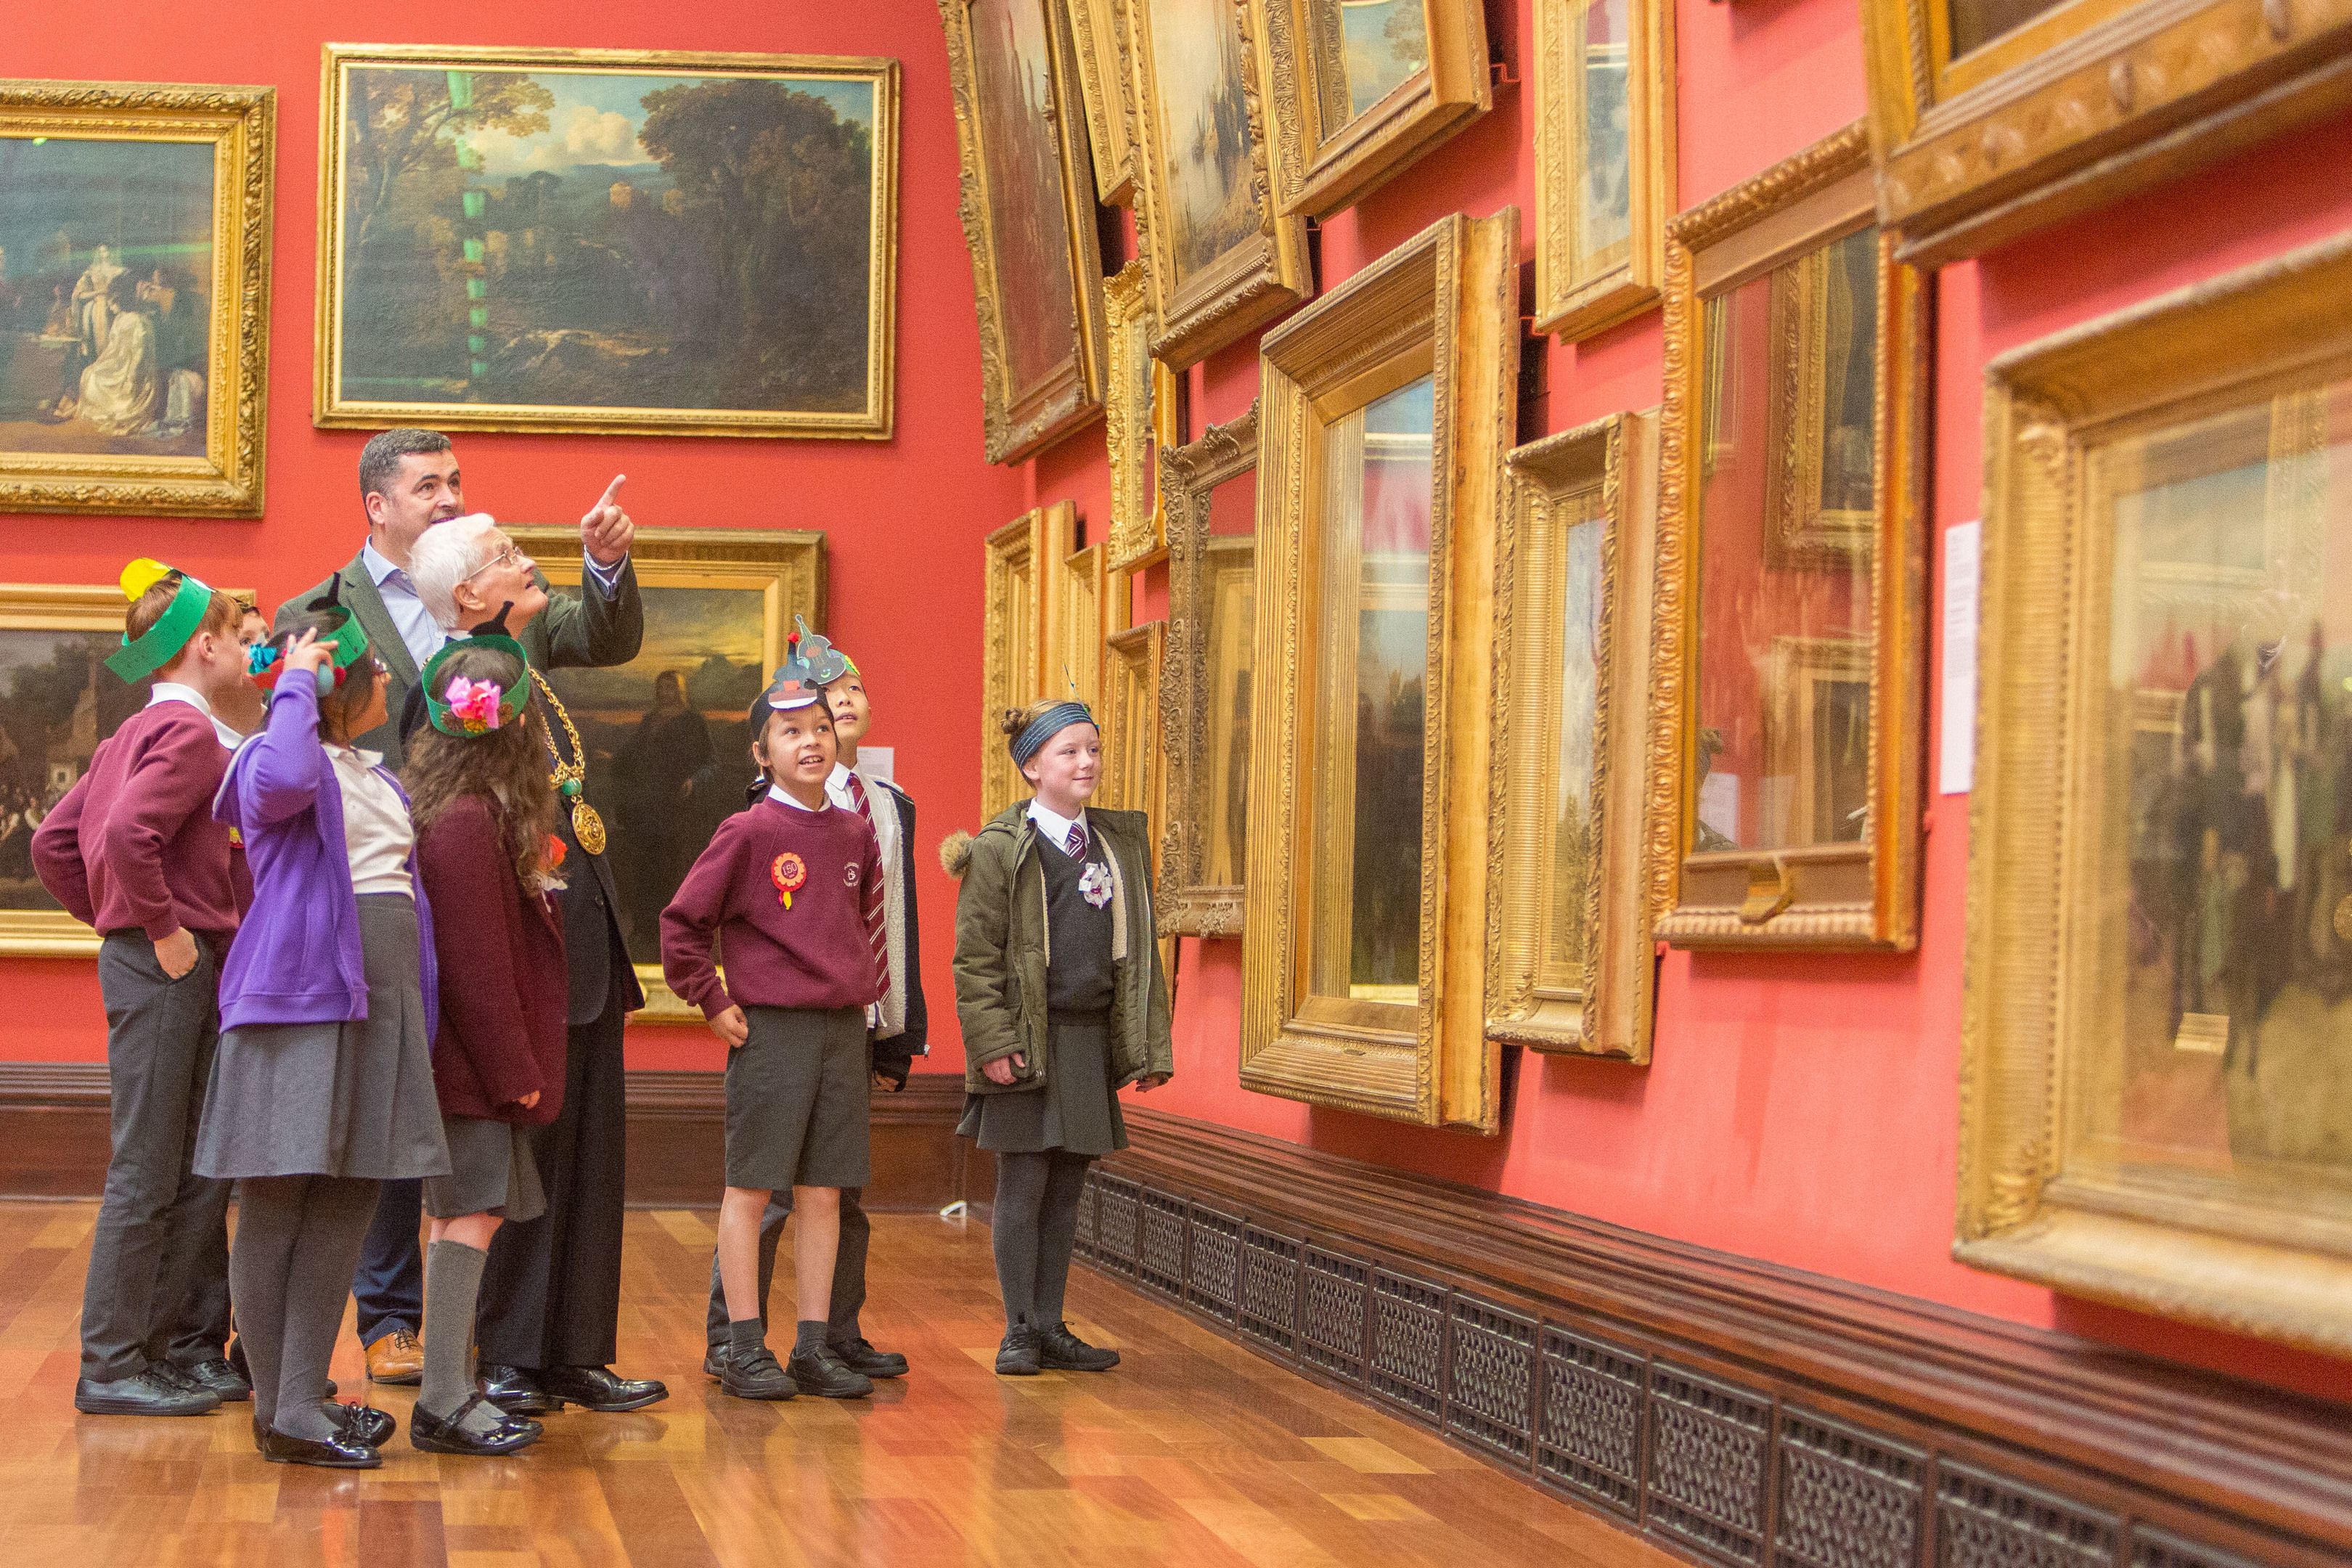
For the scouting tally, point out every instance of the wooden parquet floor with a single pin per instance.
(1195, 1453)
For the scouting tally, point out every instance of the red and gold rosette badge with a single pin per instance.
(790, 874)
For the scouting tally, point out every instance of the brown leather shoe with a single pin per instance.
(396, 1358)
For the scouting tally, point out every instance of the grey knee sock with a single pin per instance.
(268, 1217)
(1020, 1193)
(336, 1214)
(453, 1282)
(745, 1335)
(1057, 1233)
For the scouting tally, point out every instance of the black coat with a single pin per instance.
(895, 1056)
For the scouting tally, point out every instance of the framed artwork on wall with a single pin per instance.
(1091, 603)
(1992, 117)
(1385, 408)
(1569, 963)
(134, 297)
(620, 240)
(1135, 775)
(1604, 132)
(1143, 416)
(1786, 723)
(1106, 86)
(1210, 490)
(1020, 560)
(670, 757)
(1222, 258)
(2154, 1106)
(1357, 89)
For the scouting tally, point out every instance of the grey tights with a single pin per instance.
(297, 1240)
(1034, 1229)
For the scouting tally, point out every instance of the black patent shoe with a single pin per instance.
(448, 1435)
(860, 1356)
(596, 1388)
(1058, 1349)
(219, 1376)
(714, 1363)
(149, 1394)
(366, 1423)
(515, 1390)
(755, 1376)
(1018, 1355)
(341, 1452)
(823, 1372)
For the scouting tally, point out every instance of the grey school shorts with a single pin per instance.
(796, 1101)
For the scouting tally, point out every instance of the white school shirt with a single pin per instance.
(173, 692)
(1057, 826)
(376, 829)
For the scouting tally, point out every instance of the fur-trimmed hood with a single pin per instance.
(955, 854)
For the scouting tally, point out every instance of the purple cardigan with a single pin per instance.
(297, 959)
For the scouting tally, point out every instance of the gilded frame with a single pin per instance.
(1845, 895)
(873, 422)
(787, 565)
(1575, 307)
(1189, 475)
(2032, 962)
(1142, 403)
(1134, 771)
(1322, 168)
(1444, 305)
(1019, 563)
(1605, 472)
(240, 123)
(1014, 427)
(1091, 603)
(2079, 106)
(1252, 282)
(1105, 78)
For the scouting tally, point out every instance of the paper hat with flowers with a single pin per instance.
(160, 644)
(266, 661)
(476, 707)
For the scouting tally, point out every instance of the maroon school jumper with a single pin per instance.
(134, 845)
(818, 952)
(503, 986)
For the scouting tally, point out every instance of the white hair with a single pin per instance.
(445, 556)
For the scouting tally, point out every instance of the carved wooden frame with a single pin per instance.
(2081, 105)
(1444, 304)
(1189, 475)
(2050, 408)
(1143, 401)
(1105, 82)
(1610, 1014)
(1018, 565)
(1135, 764)
(241, 125)
(1253, 282)
(1321, 169)
(1091, 601)
(1862, 895)
(1575, 310)
(1073, 398)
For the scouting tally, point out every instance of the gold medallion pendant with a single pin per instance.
(588, 827)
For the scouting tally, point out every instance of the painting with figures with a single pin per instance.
(58, 701)
(535, 239)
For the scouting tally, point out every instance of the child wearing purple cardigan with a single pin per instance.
(322, 1086)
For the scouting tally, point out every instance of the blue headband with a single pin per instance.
(1044, 727)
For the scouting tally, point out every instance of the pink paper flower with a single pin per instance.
(476, 704)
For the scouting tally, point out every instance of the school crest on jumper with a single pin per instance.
(1094, 883)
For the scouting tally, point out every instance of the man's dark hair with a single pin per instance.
(379, 458)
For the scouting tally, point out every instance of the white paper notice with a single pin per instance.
(875, 762)
(1956, 770)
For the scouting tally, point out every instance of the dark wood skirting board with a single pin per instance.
(54, 1143)
(1741, 1414)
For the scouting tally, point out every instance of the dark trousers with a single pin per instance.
(389, 1284)
(158, 1217)
(848, 1268)
(200, 1328)
(552, 1290)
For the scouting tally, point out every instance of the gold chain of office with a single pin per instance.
(567, 778)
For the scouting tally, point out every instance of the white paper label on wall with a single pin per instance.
(875, 762)
(1955, 769)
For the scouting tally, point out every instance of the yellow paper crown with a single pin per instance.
(141, 575)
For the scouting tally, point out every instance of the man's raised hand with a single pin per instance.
(606, 529)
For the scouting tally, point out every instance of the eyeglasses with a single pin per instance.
(507, 557)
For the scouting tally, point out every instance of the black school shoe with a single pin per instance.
(1058, 1349)
(341, 1452)
(217, 1375)
(860, 1356)
(714, 1363)
(367, 1423)
(822, 1372)
(755, 1376)
(1019, 1355)
(595, 1388)
(236, 1364)
(149, 1394)
(448, 1435)
(515, 1390)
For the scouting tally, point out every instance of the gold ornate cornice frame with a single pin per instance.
(1105, 82)
(1443, 305)
(1018, 567)
(1141, 402)
(1576, 307)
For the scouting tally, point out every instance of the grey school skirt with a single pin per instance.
(490, 1172)
(1076, 1113)
(335, 1099)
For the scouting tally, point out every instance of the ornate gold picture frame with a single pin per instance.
(2153, 1107)
(1357, 89)
(155, 200)
(1091, 603)
(1385, 413)
(1028, 215)
(1222, 257)
(1143, 416)
(718, 604)
(1604, 135)
(1992, 118)
(1205, 725)
(1569, 963)
(1784, 768)
(1020, 561)
(1135, 774)
(1106, 83)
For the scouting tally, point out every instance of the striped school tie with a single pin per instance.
(1077, 846)
(874, 924)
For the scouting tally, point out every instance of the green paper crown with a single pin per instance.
(160, 644)
(492, 634)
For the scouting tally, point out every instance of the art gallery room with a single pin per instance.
(1510, 920)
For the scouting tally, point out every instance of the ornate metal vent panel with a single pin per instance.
(1160, 1243)
(1270, 1296)
(1333, 1337)
(1408, 1349)
(1116, 1223)
(1588, 1438)
(1213, 1268)
(1709, 1446)
(1848, 1498)
(1490, 1378)
(2153, 1547)
(1086, 1242)
(1985, 1521)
